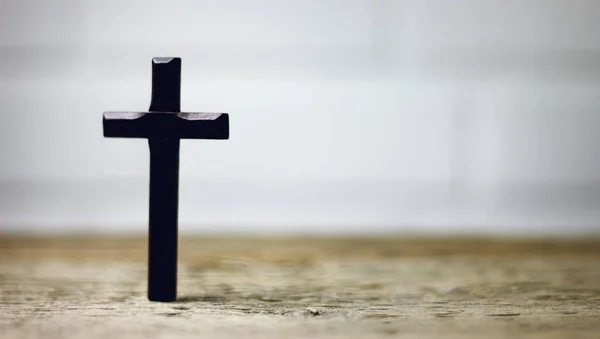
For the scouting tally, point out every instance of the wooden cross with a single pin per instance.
(164, 125)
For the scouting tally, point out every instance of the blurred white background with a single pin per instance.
(346, 115)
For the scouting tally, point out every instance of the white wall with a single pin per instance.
(346, 115)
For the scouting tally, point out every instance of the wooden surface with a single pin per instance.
(303, 288)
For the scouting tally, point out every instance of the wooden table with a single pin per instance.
(95, 287)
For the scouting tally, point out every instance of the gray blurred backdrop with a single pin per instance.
(436, 116)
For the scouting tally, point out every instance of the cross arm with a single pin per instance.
(180, 125)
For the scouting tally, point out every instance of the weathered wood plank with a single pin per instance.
(95, 287)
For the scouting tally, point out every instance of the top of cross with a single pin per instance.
(164, 119)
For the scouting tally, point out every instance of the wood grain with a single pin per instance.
(95, 287)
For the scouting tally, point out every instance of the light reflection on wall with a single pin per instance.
(457, 116)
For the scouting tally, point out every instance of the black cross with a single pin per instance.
(164, 125)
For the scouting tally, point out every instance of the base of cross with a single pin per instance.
(164, 126)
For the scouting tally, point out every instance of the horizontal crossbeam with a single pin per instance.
(180, 125)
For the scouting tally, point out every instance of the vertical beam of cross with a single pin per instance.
(164, 186)
(164, 125)
(162, 219)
